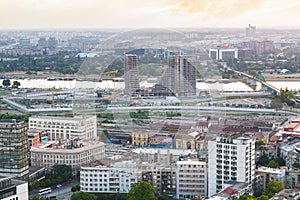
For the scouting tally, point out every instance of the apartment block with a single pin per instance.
(230, 158)
(14, 148)
(108, 179)
(162, 177)
(221, 53)
(180, 76)
(268, 175)
(191, 179)
(131, 74)
(12, 189)
(163, 156)
(293, 179)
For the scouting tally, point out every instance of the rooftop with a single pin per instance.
(279, 172)
(66, 146)
(11, 123)
(190, 162)
(165, 151)
(287, 148)
(76, 118)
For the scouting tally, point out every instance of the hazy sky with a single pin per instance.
(28, 14)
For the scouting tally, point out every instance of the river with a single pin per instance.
(108, 84)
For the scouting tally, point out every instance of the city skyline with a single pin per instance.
(61, 14)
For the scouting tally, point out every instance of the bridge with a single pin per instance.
(263, 82)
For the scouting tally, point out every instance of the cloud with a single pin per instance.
(215, 8)
(140, 13)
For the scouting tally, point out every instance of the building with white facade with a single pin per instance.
(11, 189)
(116, 178)
(163, 156)
(223, 53)
(268, 175)
(81, 127)
(191, 179)
(70, 152)
(230, 158)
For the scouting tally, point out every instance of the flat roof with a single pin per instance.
(164, 151)
(54, 147)
(287, 148)
(271, 170)
(62, 118)
(292, 125)
(191, 162)
(296, 120)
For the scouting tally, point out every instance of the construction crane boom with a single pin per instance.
(113, 74)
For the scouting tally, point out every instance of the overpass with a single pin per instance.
(267, 85)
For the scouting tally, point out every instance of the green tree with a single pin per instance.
(296, 165)
(141, 191)
(83, 196)
(163, 197)
(6, 83)
(75, 188)
(129, 139)
(273, 164)
(262, 197)
(280, 161)
(16, 84)
(259, 143)
(263, 160)
(287, 96)
(246, 197)
(274, 187)
(62, 172)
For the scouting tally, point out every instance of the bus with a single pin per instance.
(45, 191)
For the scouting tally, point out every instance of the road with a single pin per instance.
(62, 193)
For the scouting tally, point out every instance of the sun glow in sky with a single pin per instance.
(61, 14)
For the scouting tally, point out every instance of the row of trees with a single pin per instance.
(63, 62)
(15, 116)
(271, 190)
(264, 160)
(285, 96)
(58, 174)
(141, 114)
(7, 83)
(139, 191)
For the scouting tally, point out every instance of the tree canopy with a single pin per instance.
(273, 188)
(141, 190)
(16, 84)
(6, 83)
(263, 160)
(262, 197)
(83, 196)
(273, 164)
(287, 97)
(62, 172)
(246, 197)
(259, 143)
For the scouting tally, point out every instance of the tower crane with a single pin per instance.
(113, 74)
